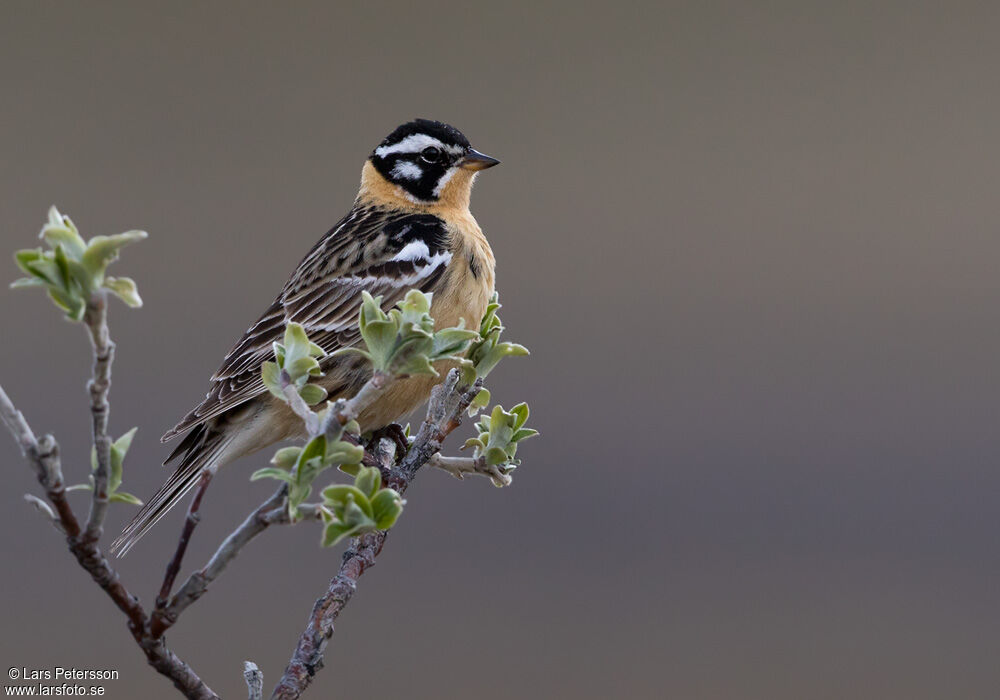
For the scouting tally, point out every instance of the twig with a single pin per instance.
(298, 405)
(197, 583)
(448, 401)
(43, 456)
(46, 511)
(271, 512)
(190, 523)
(254, 679)
(459, 466)
(45, 463)
(372, 389)
(96, 320)
(345, 410)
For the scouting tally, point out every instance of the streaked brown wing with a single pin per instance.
(384, 253)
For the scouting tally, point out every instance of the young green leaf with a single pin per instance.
(269, 373)
(335, 531)
(499, 435)
(124, 288)
(103, 250)
(271, 473)
(386, 506)
(286, 457)
(481, 401)
(73, 270)
(123, 497)
(312, 394)
(486, 353)
(368, 481)
(60, 230)
(338, 496)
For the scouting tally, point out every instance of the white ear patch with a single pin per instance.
(407, 170)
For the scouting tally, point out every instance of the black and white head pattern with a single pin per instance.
(421, 157)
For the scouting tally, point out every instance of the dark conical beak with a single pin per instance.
(474, 160)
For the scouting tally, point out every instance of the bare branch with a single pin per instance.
(298, 405)
(96, 320)
(168, 664)
(190, 523)
(459, 466)
(17, 425)
(345, 410)
(365, 397)
(43, 455)
(307, 511)
(197, 583)
(308, 657)
(254, 679)
(448, 402)
(272, 512)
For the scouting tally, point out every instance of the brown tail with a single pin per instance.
(201, 450)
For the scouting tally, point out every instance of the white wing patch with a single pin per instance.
(414, 250)
(423, 266)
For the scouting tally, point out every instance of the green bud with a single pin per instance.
(286, 457)
(312, 394)
(368, 480)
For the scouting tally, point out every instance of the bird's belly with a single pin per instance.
(405, 395)
(463, 301)
(400, 398)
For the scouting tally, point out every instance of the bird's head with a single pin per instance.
(429, 162)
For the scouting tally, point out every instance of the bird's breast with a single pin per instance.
(469, 281)
(461, 297)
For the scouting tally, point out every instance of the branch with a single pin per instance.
(254, 679)
(371, 390)
(190, 523)
(197, 583)
(459, 466)
(45, 462)
(43, 456)
(96, 320)
(448, 401)
(300, 407)
(271, 512)
(46, 511)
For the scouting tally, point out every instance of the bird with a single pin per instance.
(409, 228)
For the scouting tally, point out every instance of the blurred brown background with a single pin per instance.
(753, 247)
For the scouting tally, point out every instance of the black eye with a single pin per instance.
(431, 154)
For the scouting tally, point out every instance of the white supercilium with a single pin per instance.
(415, 143)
